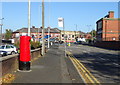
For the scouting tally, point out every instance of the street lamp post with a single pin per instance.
(90, 29)
(28, 17)
(92, 34)
(64, 37)
(49, 26)
(43, 42)
(1, 30)
(24, 60)
(76, 33)
(48, 37)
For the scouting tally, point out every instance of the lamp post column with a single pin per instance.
(1, 30)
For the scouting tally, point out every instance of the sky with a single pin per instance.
(82, 14)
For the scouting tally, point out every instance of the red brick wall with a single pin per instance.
(109, 44)
(110, 30)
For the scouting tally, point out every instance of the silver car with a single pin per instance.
(10, 49)
(3, 53)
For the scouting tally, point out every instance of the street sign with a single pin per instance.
(47, 36)
(60, 22)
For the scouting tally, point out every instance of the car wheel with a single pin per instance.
(6, 54)
(12, 53)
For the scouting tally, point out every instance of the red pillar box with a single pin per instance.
(24, 60)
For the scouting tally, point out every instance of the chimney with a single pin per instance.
(33, 26)
(111, 14)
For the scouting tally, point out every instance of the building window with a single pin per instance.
(62, 35)
(72, 36)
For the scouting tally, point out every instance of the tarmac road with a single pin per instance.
(102, 63)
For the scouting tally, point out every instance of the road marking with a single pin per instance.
(87, 77)
(102, 59)
(85, 51)
(116, 64)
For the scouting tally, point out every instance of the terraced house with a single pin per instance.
(65, 36)
(36, 33)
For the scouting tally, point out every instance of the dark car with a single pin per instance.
(3, 53)
(61, 42)
(78, 42)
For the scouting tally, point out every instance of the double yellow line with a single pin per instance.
(84, 73)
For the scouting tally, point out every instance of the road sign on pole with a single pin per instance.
(60, 22)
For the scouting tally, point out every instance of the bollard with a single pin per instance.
(69, 44)
(24, 60)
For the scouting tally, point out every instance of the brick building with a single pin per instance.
(36, 33)
(72, 36)
(107, 28)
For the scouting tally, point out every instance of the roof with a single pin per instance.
(34, 30)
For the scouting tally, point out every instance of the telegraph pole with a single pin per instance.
(28, 17)
(43, 42)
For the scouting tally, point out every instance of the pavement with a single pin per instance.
(53, 67)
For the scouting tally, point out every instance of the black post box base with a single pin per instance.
(24, 66)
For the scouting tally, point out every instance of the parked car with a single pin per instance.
(3, 53)
(52, 40)
(78, 42)
(10, 49)
(61, 42)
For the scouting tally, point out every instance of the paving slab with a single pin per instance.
(51, 68)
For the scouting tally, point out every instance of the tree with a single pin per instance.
(93, 32)
(8, 34)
